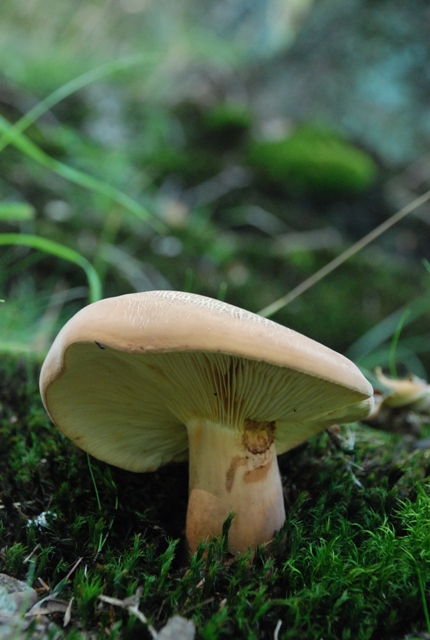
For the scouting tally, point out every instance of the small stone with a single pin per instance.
(15, 596)
(178, 628)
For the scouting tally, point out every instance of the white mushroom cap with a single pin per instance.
(126, 374)
(140, 379)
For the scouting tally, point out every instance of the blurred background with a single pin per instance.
(230, 148)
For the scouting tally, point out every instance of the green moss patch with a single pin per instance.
(313, 159)
(352, 561)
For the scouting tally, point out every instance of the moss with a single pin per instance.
(192, 165)
(352, 561)
(313, 159)
(226, 125)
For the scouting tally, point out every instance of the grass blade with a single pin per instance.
(69, 88)
(343, 257)
(394, 342)
(60, 251)
(16, 211)
(80, 178)
(423, 598)
(386, 328)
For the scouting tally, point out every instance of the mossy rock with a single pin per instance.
(192, 165)
(226, 124)
(313, 159)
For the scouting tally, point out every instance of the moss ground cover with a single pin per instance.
(353, 560)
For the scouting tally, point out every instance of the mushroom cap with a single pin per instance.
(126, 375)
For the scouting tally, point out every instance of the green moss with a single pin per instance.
(192, 165)
(226, 124)
(227, 115)
(313, 159)
(352, 561)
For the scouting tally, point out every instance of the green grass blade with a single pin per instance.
(80, 178)
(71, 87)
(93, 480)
(394, 343)
(328, 268)
(16, 211)
(15, 348)
(60, 251)
(423, 598)
(386, 328)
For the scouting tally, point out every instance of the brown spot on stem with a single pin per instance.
(258, 437)
(258, 474)
(237, 462)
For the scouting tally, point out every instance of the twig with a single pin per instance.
(73, 569)
(202, 603)
(31, 554)
(131, 608)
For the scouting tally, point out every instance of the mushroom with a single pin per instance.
(410, 392)
(145, 379)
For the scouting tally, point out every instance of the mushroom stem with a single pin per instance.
(233, 471)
